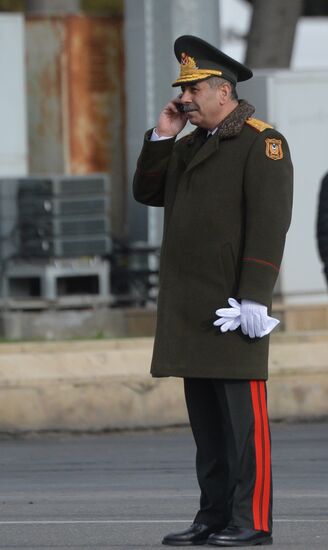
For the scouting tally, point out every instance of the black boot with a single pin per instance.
(196, 534)
(240, 536)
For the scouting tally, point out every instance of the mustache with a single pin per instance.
(186, 108)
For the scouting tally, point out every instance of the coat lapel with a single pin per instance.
(204, 151)
(196, 151)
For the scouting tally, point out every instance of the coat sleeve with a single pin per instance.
(268, 188)
(150, 175)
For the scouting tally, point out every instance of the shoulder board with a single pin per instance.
(259, 125)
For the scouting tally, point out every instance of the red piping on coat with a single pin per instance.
(264, 262)
(149, 174)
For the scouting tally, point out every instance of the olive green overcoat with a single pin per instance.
(227, 210)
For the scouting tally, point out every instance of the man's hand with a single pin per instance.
(171, 121)
(254, 320)
(229, 316)
(252, 317)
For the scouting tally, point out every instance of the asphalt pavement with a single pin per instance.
(124, 491)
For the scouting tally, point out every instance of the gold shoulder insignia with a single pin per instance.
(273, 149)
(259, 125)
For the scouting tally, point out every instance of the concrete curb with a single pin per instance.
(98, 385)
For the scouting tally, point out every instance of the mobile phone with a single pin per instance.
(181, 107)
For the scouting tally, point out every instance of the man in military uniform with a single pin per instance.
(227, 192)
(322, 225)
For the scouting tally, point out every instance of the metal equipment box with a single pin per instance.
(64, 216)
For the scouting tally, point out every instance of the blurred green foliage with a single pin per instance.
(106, 7)
(12, 5)
(114, 7)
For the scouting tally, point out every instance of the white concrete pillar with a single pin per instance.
(13, 116)
(151, 27)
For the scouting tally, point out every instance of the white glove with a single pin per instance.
(230, 316)
(253, 318)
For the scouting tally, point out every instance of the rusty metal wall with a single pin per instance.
(44, 57)
(93, 90)
(75, 75)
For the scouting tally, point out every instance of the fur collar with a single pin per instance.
(232, 125)
(229, 127)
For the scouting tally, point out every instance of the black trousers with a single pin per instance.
(230, 426)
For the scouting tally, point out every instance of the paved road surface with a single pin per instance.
(125, 491)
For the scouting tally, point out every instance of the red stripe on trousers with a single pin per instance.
(262, 488)
(267, 460)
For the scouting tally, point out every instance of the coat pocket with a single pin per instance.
(229, 269)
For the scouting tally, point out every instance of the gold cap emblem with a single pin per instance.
(188, 65)
(189, 71)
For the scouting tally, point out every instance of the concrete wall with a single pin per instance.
(105, 385)
(103, 322)
(13, 112)
(68, 324)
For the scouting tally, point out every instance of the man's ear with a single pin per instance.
(224, 93)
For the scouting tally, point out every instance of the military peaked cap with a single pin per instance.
(200, 60)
